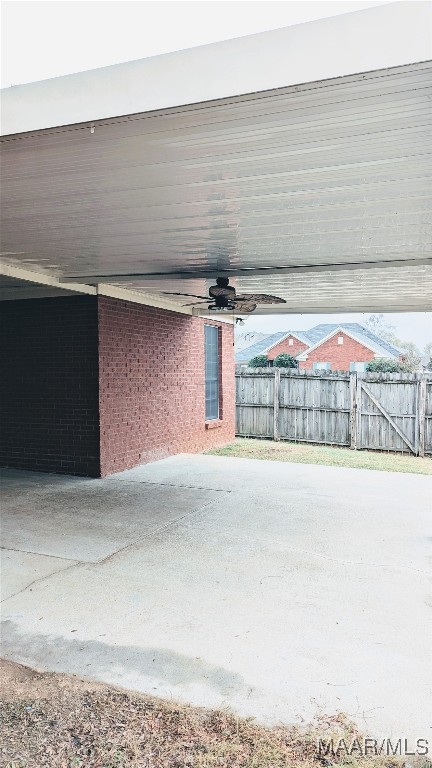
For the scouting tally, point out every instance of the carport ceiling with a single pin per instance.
(265, 187)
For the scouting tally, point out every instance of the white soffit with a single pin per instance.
(332, 176)
(377, 38)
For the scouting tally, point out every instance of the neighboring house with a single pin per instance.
(274, 344)
(331, 346)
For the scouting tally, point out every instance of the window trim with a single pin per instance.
(210, 419)
(354, 366)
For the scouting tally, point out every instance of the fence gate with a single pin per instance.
(376, 411)
(388, 413)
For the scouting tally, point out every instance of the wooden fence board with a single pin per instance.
(374, 411)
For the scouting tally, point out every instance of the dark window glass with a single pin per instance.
(211, 371)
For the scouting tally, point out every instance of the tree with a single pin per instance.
(259, 361)
(411, 355)
(285, 361)
(428, 349)
(410, 352)
(386, 365)
(427, 353)
(378, 326)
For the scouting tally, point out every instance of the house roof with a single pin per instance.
(260, 347)
(364, 335)
(314, 336)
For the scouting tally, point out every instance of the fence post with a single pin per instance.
(359, 425)
(276, 389)
(421, 415)
(353, 409)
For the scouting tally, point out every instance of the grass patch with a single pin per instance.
(304, 453)
(64, 722)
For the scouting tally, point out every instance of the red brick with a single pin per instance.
(284, 347)
(339, 355)
(152, 386)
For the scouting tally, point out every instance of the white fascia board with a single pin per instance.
(267, 349)
(113, 291)
(390, 35)
(40, 278)
(290, 333)
(287, 335)
(136, 297)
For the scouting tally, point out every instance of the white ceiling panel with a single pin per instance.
(336, 172)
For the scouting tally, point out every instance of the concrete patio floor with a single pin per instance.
(281, 590)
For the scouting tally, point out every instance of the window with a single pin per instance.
(290, 342)
(340, 339)
(211, 343)
(321, 366)
(359, 367)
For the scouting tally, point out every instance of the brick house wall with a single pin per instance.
(284, 347)
(338, 355)
(49, 385)
(152, 386)
(93, 385)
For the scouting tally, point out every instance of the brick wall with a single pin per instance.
(93, 385)
(49, 385)
(284, 346)
(151, 397)
(339, 355)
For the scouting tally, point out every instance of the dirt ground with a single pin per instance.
(67, 722)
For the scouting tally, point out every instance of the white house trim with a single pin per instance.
(286, 336)
(56, 287)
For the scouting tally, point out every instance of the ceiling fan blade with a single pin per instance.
(260, 298)
(245, 306)
(176, 293)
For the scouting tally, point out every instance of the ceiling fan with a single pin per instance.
(223, 297)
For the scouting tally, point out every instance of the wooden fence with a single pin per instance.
(377, 411)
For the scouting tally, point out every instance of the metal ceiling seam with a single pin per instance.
(288, 127)
(310, 148)
(252, 271)
(298, 147)
(271, 176)
(290, 193)
(361, 77)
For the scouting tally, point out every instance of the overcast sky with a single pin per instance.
(411, 326)
(47, 39)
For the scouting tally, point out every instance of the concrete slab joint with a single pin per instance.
(179, 579)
